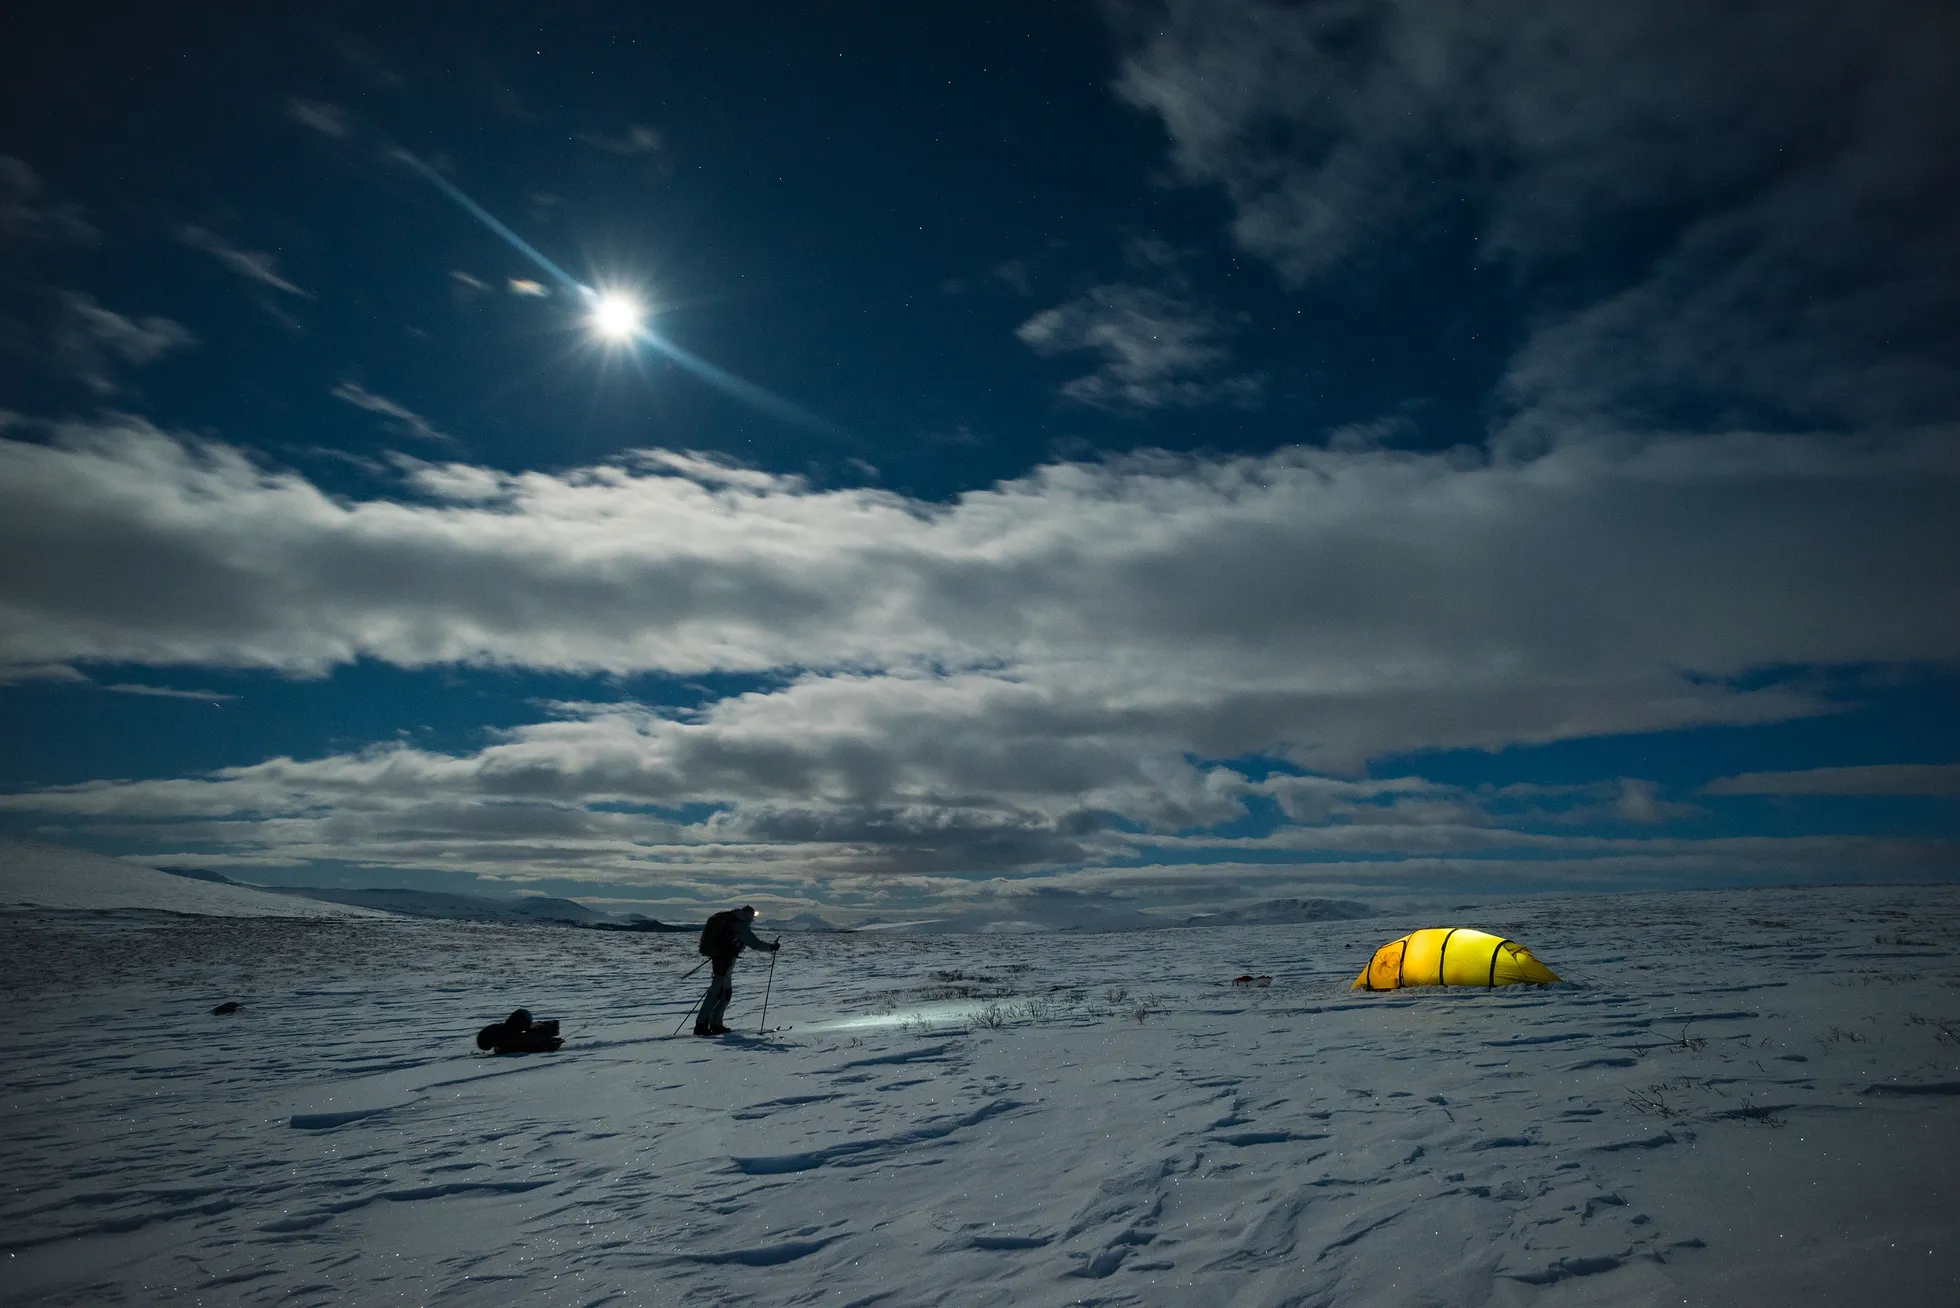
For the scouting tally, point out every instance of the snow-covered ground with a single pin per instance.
(1738, 1098)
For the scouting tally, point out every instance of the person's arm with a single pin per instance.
(753, 941)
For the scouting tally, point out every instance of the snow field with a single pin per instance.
(1740, 1098)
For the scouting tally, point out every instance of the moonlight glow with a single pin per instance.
(615, 316)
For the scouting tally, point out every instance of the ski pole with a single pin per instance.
(692, 970)
(763, 1025)
(690, 1011)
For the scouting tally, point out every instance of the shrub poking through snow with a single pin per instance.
(1761, 1115)
(1944, 1029)
(1686, 1043)
(1652, 1099)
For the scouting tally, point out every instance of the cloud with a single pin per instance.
(326, 119)
(487, 82)
(1430, 815)
(1719, 215)
(1763, 313)
(1331, 606)
(1153, 254)
(24, 213)
(1640, 802)
(808, 799)
(958, 434)
(13, 674)
(1321, 122)
(168, 692)
(635, 140)
(405, 420)
(1017, 275)
(1926, 779)
(525, 286)
(1158, 351)
(370, 66)
(253, 265)
(90, 341)
(452, 481)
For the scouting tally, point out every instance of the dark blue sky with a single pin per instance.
(1252, 449)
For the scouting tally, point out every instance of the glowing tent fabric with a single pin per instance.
(1450, 956)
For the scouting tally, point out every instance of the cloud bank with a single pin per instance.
(1604, 583)
(840, 791)
(1922, 779)
(1031, 676)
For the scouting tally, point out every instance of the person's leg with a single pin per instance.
(720, 990)
(725, 969)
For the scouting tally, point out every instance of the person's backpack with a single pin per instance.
(721, 937)
(518, 1034)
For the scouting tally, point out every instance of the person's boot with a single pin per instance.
(705, 1031)
(717, 1030)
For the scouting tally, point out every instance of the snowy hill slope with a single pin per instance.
(38, 876)
(460, 908)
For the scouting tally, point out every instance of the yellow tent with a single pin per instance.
(1450, 956)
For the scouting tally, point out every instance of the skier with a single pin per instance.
(723, 940)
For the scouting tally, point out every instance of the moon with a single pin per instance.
(616, 316)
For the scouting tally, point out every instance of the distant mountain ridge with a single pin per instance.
(641, 922)
(459, 908)
(1066, 911)
(808, 922)
(200, 874)
(1274, 912)
(1060, 911)
(525, 909)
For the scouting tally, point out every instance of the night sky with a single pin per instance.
(1183, 454)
